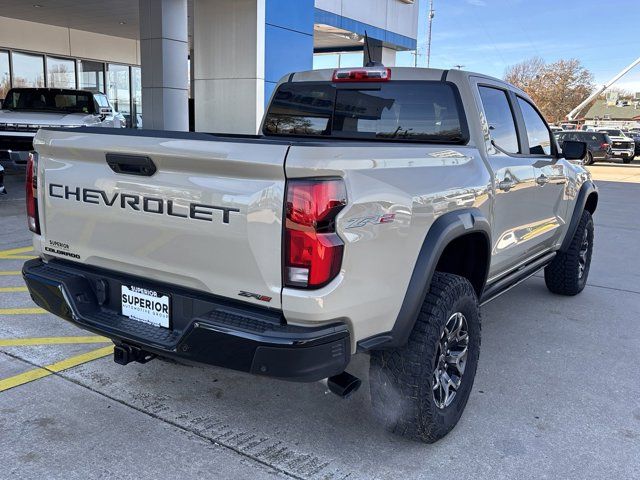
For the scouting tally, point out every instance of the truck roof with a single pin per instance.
(397, 73)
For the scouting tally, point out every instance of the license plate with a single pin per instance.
(146, 306)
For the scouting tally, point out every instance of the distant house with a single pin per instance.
(622, 113)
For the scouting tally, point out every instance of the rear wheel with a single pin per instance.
(588, 160)
(420, 390)
(567, 273)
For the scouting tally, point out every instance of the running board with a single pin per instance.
(515, 278)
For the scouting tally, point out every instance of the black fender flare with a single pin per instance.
(586, 190)
(444, 229)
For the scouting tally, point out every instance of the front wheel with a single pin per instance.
(419, 390)
(567, 273)
(627, 160)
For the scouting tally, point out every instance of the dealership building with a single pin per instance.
(206, 64)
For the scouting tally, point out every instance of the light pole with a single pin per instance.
(431, 15)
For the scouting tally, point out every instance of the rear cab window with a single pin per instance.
(408, 111)
(42, 99)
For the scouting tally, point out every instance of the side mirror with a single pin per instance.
(572, 150)
(105, 111)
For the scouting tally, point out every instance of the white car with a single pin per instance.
(25, 110)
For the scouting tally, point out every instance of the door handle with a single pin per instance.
(506, 184)
(131, 164)
(542, 180)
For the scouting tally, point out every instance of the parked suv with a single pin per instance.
(598, 144)
(376, 212)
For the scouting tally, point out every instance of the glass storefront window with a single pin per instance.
(5, 78)
(119, 90)
(61, 73)
(136, 83)
(326, 60)
(28, 70)
(338, 60)
(91, 75)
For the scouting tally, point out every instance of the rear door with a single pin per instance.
(514, 178)
(209, 217)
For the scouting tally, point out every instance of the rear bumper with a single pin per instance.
(600, 155)
(206, 329)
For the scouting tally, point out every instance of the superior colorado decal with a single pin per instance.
(140, 203)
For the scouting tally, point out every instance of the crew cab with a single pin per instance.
(25, 110)
(375, 212)
(621, 146)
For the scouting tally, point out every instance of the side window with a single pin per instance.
(502, 126)
(537, 131)
(101, 100)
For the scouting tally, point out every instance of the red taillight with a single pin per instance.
(604, 146)
(364, 74)
(31, 186)
(313, 250)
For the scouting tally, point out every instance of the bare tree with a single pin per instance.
(556, 88)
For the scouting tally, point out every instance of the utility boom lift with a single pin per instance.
(573, 113)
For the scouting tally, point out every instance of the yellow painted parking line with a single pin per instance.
(17, 257)
(21, 311)
(28, 342)
(14, 251)
(37, 373)
(9, 273)
(13, 289)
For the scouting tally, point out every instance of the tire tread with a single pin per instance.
(404, 368)
(561, 275)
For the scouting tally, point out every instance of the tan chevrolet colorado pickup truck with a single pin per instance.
(375, 213)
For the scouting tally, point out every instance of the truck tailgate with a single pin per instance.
(209, 218)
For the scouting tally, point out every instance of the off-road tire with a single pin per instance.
(562, 275)
(588, 160)
(627, 160)
(401, 379)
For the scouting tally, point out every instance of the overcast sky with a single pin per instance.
(488, 35)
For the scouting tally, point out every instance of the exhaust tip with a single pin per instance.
(343, 384)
